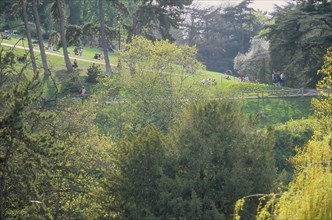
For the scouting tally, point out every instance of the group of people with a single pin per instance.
(78, 51)
(243, 77)
(22, 59)
(98, 56)
(209, 81)
(277, 78)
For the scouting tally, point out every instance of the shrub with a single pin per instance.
(93, 72)
(72, 84)
(289, 136)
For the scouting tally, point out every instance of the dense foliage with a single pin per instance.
(49, 168)
(220, 34)
(152, 90)
(147, 140)
(308, 195)
(212, 157)
(299, 39)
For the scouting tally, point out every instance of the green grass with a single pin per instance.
(88, 53)
(278, 110)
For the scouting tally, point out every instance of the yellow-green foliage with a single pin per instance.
(144, 56)
(155, 81)
(84, 157)
(323, 105)
(310, 194)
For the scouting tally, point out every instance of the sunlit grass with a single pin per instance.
(278, 110)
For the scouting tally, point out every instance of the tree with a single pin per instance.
(131, 186)
(154, 19)
(104, 44)
(75, 8)
(24, 145)
(221, 33)
(28, 34)
(298, 41)
(152, 90)
(58, 15)
(221, 157)
(40, 38)
(82, 159)
(323, 105)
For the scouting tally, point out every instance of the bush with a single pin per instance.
(93, 72)
(72, 84)
(289, 136)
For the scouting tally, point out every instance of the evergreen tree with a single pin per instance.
(149, 17)
(298, 41)
(131, 187)
(221, 33)
(222, 157)
(25, 144)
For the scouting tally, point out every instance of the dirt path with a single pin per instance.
(53, 53)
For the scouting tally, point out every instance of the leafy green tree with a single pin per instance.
(153, 90)
(83, 157)
(51, 161)
(289, 137)
(323, 105)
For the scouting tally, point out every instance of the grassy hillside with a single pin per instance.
(269, 110)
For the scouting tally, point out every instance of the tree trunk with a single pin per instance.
(28, 33)
(40, 38)
(103, 37)
(63, 36)
(84, 13)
